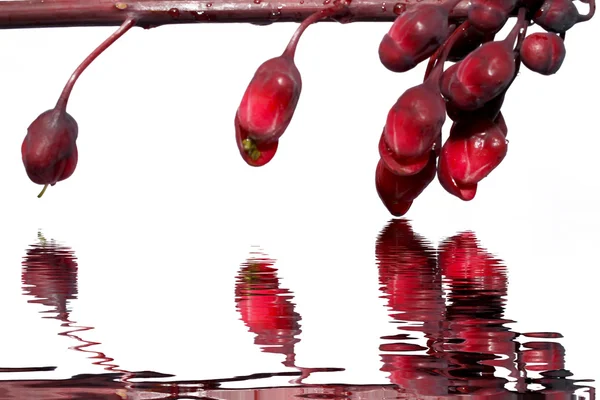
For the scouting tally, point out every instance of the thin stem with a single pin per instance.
(43, 191)
(290, 50)
(435, 55)
(591, 12)
(61, 104)
(438, 68)
(516, 30)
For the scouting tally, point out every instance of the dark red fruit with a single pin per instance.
(270, 100)
(490, 15)
(398, 192)
(416, 119)
(473, 150)
(414, 36)
(484, 73)
(49, 150)
(557, 15)
(543, 53)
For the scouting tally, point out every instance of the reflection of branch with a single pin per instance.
(27, 369)
(103, 360)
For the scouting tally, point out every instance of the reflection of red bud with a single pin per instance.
(50, 275)
(544, 356)
(412, 285)
(266, 309)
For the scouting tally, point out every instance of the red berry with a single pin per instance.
(557, 15)
(483, 74)
(398, 192)
(490, 15)
(415, 121)
(543, 53)
(270, 100)
(414, 36)
(49, 150)
(473, 150)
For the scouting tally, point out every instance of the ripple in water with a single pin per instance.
(448, 304)
(454, 297)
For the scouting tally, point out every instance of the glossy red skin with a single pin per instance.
(463, 192)
(49, 150)
(414, 36)
(399, 166)
(490, 15)
(473, 150)
(270, 100)
(557, 15)
(543, 53)
(267, 309)
(415, 121)
(267, 150)
(398, 192)
(480, 77)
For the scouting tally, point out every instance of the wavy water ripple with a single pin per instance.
(449, 339)
(455, 297)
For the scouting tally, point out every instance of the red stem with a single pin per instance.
(438, 68)
(61, 104)
(290, 50)
(591, 12)
(150, 13)
(516, 30)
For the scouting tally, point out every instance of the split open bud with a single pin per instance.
(471, 152)
(270, 99)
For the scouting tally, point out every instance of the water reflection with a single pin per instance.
(49, 275)
(448, 306)
(268, 312)
(454, 299)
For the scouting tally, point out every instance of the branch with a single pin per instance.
(151, 13)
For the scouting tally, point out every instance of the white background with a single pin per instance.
(162, 210)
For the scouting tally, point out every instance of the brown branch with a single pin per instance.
(150, 13)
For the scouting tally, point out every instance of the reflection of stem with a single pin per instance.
(103, 360)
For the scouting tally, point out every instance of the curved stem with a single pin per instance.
(438, 68)
(516, 30)
(43, 191)
(435, 55)
(290, 50)
(61, 104)
(590, 14)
